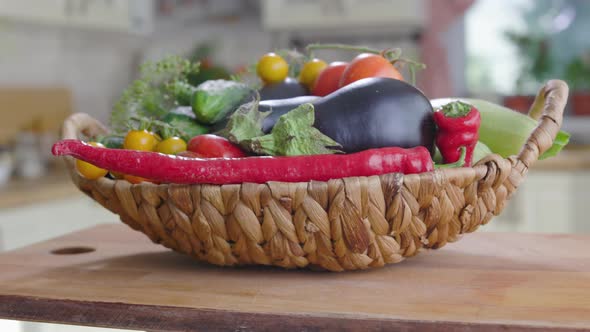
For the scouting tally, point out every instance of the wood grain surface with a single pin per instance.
(484, 282)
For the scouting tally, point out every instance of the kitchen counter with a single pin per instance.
(112, 276)
(53, 186)
(36, 210)
(575, 158)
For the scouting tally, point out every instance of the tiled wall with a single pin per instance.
(94, 65)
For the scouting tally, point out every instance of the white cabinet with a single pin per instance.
(349, 14)
(120, 15)
(548, 202)
(33, 10)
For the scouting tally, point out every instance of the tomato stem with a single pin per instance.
(391, 54)
(164, 129)
(413, 66)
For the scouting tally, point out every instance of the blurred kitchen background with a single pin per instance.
(64, 56)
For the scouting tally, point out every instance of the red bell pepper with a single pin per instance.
(174, 169)
(458, 126)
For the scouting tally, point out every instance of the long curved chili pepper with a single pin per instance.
(173, 169)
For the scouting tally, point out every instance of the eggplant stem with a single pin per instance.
(458, 163)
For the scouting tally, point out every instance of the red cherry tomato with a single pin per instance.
(369, 65)
(328, 80)
(212, 146)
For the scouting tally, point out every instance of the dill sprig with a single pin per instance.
(151, 96)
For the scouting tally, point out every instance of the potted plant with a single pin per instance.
(536, 66)
(577, 75)
(204, 53)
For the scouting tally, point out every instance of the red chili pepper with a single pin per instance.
(458, 126)
(174, 169)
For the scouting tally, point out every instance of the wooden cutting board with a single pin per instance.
(486, 281)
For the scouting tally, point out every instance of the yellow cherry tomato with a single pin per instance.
(272, 68)
(89, 171)
(310, 71)
(172, 145)
(141, 140)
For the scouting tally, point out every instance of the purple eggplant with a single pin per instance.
(369, 113)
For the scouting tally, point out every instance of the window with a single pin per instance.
(549, 35)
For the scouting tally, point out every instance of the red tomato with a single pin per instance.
(369, 65)
(328, 80)
(212, 146)
(188, 154)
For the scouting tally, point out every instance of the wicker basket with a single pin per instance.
(343, 224)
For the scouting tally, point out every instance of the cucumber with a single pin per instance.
(112, 141)
(183, 119)
(213, 100)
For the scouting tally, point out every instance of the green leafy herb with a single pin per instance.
(245, 123)
(292, 135)
(164, 129)
(152, 95)
(182, 92)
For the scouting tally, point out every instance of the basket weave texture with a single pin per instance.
(342, 224)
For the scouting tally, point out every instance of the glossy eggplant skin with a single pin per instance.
(372, 113)
(289, 88)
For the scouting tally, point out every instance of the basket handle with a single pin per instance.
(81, 123)
(547, 109)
